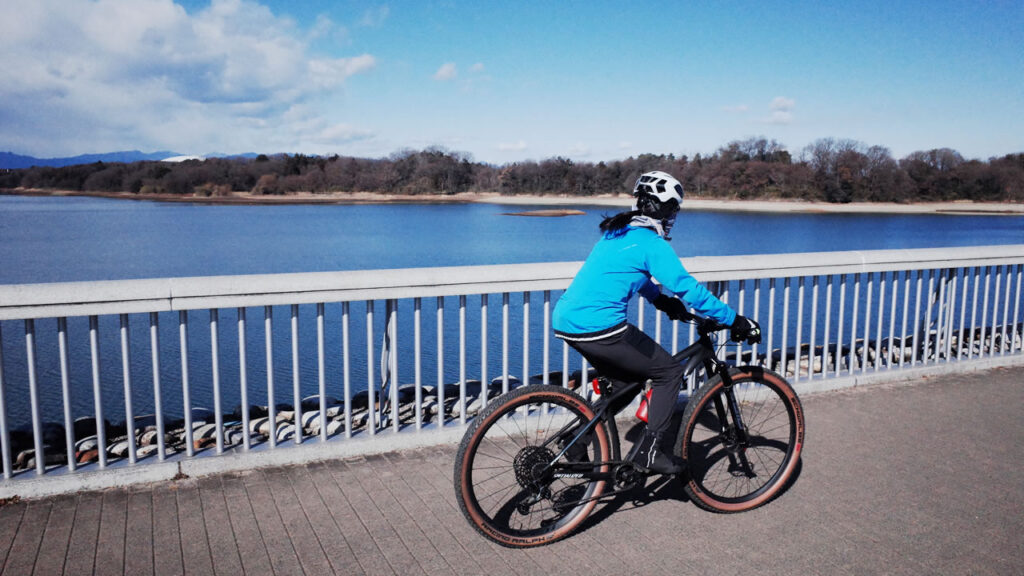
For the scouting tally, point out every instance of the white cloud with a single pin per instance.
(580, 150)
(374, 17)
(782, 111)
(512, 146)
(447, 71)
(88, 76)
(477, 68)
(781, 104)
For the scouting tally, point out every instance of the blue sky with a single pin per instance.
(506, 81)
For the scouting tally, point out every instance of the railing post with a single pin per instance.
(867, 322)
(126, 367)
(5, 432)
(545, 356)
(769, 348)
(485, 382)
(462, 359)
(440, 362)
(812, 349)
(504, 342)
(321, 370)
(825, 355)
(880, 321)
(1016, 311)
(65, 387)
(268, 346)
(243, 381)
(218, 413)
(97, 395)
(297, 378)
(346, 368)
(371, 385)
(841, 312)
(785, 329)
(154, 348)
(526, 338)
(392, 360)
(984, 311)
(1006, 310)
(33, 391)
(185, 388)
(417, 354)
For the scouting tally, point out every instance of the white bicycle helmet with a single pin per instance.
(659, 196)
(659, 184)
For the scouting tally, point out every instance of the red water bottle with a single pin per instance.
(641, 411)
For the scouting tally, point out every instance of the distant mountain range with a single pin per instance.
(12, 160)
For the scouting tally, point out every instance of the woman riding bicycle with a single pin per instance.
(591, 314)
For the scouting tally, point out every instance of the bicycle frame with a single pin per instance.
(614, 397)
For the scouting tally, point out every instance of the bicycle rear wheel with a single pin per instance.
(519, 478)
(736, 468)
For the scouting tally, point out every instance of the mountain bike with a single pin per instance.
(537, 460)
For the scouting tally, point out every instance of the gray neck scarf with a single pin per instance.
(641, 221)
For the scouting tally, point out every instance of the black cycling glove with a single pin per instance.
(744, 328)
(673, 307)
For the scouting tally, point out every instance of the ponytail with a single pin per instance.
(615, 225)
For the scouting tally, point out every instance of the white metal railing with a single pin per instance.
(826, 316)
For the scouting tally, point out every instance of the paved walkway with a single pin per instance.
(922, 478)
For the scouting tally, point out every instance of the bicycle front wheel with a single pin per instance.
(525, 470)
(741, 445)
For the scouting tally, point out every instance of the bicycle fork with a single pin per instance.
(735, 437)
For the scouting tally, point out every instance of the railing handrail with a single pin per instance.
(67, 299)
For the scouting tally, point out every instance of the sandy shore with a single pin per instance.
(620, 201)
(994, 208)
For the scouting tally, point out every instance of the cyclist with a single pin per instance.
(591, 314)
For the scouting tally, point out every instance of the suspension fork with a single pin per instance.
(735, 433)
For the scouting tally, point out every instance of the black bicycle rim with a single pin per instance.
(729, 471)
(511, 446)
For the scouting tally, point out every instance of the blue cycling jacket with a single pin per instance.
(620, 265)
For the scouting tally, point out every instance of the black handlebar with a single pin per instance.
(705, 326)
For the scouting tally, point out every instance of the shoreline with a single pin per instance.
(623, 201)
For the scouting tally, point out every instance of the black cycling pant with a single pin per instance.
(632, 356)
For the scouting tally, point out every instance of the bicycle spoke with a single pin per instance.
(732, 466)
(511, 477)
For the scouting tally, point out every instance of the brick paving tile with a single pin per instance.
(919, 478)
(367, 555)
(22, 556)
(110, 541)
(167, 558)
(280, 549)
(10, 518)
(373, 479)
(252, 550)
(331, 539)
(404, 488)
(138, 558)
(195, 546)
(366, 506)
(307, 547)
(492, 557)
(223, 548)
(81, 550)
(56, 536)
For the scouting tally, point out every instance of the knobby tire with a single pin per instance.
(726, 475)
(500, 483)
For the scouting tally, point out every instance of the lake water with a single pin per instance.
(73, 239)
(68, 239)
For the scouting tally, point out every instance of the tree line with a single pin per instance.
(830, 170)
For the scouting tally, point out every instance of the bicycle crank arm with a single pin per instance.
(586, 469)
